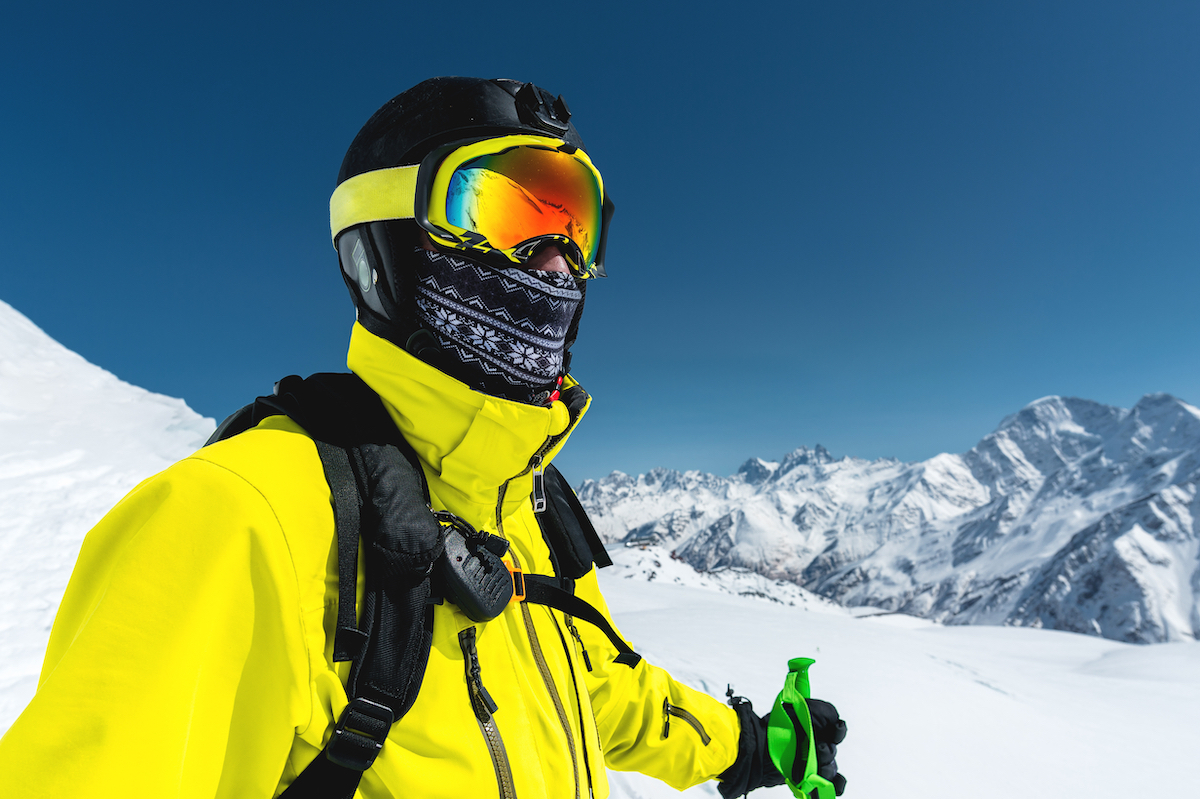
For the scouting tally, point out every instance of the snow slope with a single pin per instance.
(73, 440)
(1072, 515)
(933, 712)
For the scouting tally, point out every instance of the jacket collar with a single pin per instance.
(470, 443)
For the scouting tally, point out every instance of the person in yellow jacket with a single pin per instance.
(193, 654)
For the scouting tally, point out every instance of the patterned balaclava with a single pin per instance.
(502, 330)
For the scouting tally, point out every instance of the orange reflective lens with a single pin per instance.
(524, 193)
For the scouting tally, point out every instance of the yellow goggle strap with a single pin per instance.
(373, 197)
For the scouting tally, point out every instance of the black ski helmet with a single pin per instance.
(441, 110)
(406, 129)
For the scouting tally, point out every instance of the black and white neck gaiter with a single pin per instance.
(502, 331)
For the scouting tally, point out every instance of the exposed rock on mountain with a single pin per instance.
(1072, 515)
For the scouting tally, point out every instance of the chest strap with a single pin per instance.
(543, 590)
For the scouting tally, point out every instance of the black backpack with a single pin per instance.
(380, 497)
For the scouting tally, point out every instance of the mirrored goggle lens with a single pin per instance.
(526, 192)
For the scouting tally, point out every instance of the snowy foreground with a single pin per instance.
(932, 711)
(966, 712)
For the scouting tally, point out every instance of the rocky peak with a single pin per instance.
(1071, 514)
(757, 471)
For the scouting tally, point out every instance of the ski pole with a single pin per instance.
(789, 728)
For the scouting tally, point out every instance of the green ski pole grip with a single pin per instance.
(790, 729)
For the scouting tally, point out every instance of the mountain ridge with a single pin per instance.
(1071, 514)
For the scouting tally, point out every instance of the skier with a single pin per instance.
(207, 639)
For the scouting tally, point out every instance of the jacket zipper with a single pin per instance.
(578, 701)
(539, 486)
(535, 466)
(575, 634)
(544, 669)
(484, 707)
(679, 713)
(539, 504)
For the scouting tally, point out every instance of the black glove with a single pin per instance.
(829, 730)
(754, 768)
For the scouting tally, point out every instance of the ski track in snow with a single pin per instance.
(933, 711)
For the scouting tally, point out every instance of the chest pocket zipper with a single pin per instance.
(679, 713)
(484, 706)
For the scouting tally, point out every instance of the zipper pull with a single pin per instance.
(489, 704)
(481, 693)
(539, 486)
(575, 632)
(666, 717)
(481, 701)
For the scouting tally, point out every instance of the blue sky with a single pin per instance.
(876, 226)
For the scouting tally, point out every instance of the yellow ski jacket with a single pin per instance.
(192, 655)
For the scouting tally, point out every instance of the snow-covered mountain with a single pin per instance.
(73, 440)
(1072, 515)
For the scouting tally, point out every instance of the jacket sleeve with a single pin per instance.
(647, 720)
(175, 661)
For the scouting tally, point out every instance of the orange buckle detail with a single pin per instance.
(518, 580)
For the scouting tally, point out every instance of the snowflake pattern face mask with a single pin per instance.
(502, 331)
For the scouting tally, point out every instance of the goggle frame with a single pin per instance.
(434, 178)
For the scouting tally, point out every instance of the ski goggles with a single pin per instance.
(499, 199)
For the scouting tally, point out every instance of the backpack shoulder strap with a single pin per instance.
(575, 547)
(390, 645)
(568, 532)
(379, 497)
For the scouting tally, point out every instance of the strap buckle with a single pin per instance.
(359, 735)
(518, 582)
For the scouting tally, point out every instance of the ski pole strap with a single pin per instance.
(790, 741)
(543, 590)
